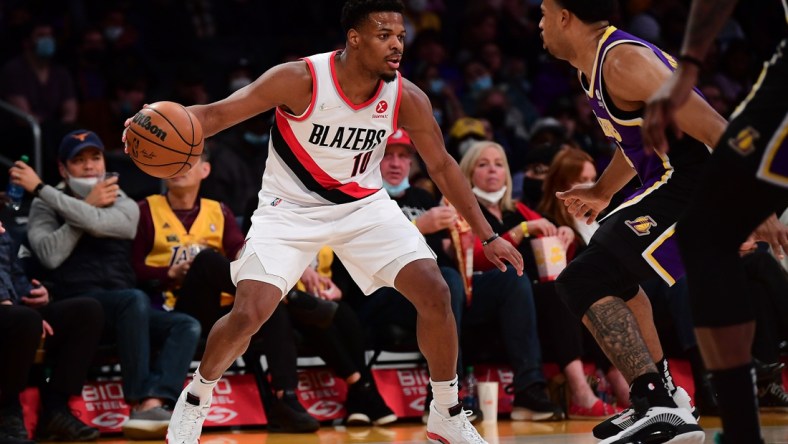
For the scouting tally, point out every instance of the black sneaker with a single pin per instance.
(766, 373)
(365, 406)
(62, 425)
(655, 424)
(287, 415)
(532, 404)
(772, 398)
(12, 427)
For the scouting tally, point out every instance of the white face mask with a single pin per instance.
(81, 186)
(239, 82)
(492, 197)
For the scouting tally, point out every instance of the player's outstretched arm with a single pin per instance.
(288, 85)
(415, 115)
(705, 21)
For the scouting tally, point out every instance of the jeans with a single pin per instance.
(135, 326)
(505, 300)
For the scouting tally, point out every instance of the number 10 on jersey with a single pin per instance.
(360, 162)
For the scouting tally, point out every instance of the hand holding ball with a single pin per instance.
(164, 139)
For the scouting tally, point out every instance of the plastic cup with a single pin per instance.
(488, 400)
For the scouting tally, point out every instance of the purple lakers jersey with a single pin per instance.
(622, 127)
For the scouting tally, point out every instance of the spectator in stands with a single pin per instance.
(72, 329)
(332, 329)
(82, 231)
(487, 170)
(182, 255)
(33, 83)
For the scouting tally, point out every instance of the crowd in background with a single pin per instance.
(502, 103)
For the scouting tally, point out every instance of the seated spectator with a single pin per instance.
(182, 255)
(486, 168)
(82, 232)
(72, 329)
(333, 330)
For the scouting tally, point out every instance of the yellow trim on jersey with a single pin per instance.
(648, 255)
(591, 81)
(764, 170)
(755, 87)
(171, 241)
(662, 181)
(631, 122)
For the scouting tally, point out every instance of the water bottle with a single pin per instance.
(15, 192)
(471, 399)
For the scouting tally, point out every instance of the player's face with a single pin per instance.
(550, 27)
(381, 41)
(396, 163)
(489, 173)
(87, 163)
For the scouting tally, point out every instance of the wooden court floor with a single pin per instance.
(502, 432)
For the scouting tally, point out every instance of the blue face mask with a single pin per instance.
(438, 114)
(256, 139)
(397, 190)
(45, 47)
(482, 84)
(436, 86)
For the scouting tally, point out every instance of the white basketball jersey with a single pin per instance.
(331, 153)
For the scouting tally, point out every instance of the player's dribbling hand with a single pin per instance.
(775, 234)
(126, 124)
(583, 202)
(104, 193)
(501, 250)
(661, 108)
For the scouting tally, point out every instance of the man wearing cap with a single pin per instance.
(82, 231)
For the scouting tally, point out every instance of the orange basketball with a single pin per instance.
(164, 139)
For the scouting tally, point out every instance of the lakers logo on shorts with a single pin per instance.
(641, 225)
(744, 142)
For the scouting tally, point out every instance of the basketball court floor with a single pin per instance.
(502, 432)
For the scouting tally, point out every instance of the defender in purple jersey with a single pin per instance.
(619, 72)
(748, 173)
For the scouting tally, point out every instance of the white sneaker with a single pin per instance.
(187, 418)
(455, 429)
(616, 423)
(660, 424)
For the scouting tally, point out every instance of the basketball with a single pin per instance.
(164, 139)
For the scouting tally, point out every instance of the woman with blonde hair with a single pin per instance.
(486, 168)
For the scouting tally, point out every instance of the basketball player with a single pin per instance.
(749, 174)
(619, 72)
(322, 186)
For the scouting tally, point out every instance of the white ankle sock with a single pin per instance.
(445, 394)
(202, 388)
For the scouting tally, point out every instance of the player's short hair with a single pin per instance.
(590, 11)
(354, 12)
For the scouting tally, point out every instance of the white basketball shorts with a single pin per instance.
(372, 238)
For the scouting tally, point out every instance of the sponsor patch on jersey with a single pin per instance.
(641, 225)
(744, 142)
(276, 202)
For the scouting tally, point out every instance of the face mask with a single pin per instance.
(438, 114)
(397, 190)
(482, 84)
(465, 145)
(256, 139)
(436, 86)
(113, 33)
(239, 82)
(493, 197)
(125, 108)
(81, 186)
(45, 47)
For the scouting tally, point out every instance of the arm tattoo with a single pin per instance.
(705, 21)
(616, 330)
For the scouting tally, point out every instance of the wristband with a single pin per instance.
(524, 227)
(38, 189)
(691, 60)
(492, 238)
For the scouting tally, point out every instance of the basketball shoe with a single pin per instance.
(187, 418)
(454, 429)
(615, 424)
(657, 425)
